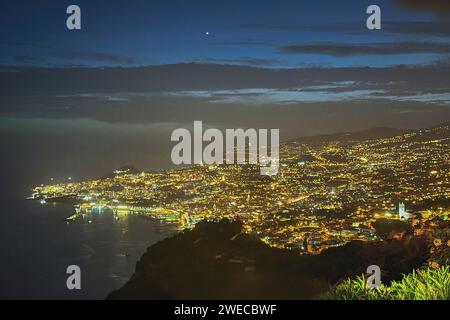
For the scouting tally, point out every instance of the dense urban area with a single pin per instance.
(329, 191)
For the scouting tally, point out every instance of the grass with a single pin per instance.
(426, 284)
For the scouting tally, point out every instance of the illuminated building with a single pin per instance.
(402, 211)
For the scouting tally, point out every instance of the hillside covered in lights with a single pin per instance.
(330, 190)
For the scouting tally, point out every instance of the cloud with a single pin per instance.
(438, 7)
(409, 27)
(359, 49)
(248, 61)
(24, 44)
(103, 57)
(198, 77)
(277, 26)
(294, 117)
(243, 42)
(430, 28)
(27, 59)
(259, 62)
(299, 101)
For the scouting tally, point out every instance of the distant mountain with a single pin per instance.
(442, 130)
(437, 132)
(368, 134)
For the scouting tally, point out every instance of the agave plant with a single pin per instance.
(426, 284)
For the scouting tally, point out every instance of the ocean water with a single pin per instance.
(36, 243)
(37, 246)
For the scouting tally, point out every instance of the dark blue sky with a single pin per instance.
(257, 33)
(270, 63)
(112, 92)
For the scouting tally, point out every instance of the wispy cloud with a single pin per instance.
(27, 59)
(243, 42)
(358, 49)
(430, 28)
(439, 28)
(248, 61)
(439, 7)
(103, 57)
(36, 45)
(197, 77)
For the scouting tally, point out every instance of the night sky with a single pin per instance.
(139, 69)
(258, 33)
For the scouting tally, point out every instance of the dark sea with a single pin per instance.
(37, 244)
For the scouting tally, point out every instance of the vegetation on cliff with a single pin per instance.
(216, 261)
(426, 284)
(430, 282)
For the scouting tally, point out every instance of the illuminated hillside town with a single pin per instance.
(240, 145)
(328, 191)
